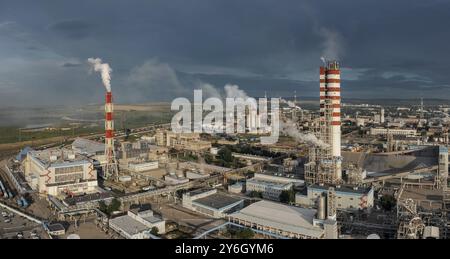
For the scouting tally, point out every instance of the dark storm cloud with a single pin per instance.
(164, 48)
(72, 29)
(69, 64)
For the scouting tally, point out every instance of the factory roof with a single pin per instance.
(86, 146)
(282, 217)
(128, 225)
(57, 157)
(217, 201)
(272, 184)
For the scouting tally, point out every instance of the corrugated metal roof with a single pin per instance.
(280, 216)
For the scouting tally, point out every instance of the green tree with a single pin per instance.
(114, 206)
(287, 196)
(256, 194)
(245, 234)
(103, 207)
(154, 231)
(387, 202)
(225, 154)
(209, 159)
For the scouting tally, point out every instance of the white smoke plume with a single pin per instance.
(104, 69)
(332, 45)
(211, 91)
(290, 128)
(233, 91)
(291, 104)
(324, 61)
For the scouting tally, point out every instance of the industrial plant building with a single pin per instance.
(271, 186)
(388, 131)
(137, 224)
(347, 198)
(280, 219)
(211, 203)
(186, 141)
(60, 172)
(325, 161)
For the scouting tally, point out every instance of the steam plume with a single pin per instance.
(233, 91)
(332, 45)
(290, 128)
(104, 69)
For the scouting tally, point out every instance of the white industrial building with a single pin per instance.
(280, 219)
(271, 186)
(346, 198)
(60, 172)
(142, 167)
(211, 203)
(386, 131)
(137, 225)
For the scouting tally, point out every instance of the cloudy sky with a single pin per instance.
(161, 49)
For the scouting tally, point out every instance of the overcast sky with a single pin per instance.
(161, 49)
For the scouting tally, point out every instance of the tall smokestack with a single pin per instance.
(105, 71)
(330, 111)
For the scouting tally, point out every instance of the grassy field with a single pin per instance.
(124, 119)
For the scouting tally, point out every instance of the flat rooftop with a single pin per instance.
(57, 157)
(88, 146)
(273, 184)
(128, 225)
(217, 201)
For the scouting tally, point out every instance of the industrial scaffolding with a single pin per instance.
(325, 161)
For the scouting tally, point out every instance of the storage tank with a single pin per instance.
(321, 208)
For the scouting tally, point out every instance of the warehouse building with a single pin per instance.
(211, 203)
(137, 224)
(280, 219)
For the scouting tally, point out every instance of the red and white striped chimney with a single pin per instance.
(109, 128)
